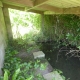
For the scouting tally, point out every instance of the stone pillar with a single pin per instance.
(7, 23)
(3, 38)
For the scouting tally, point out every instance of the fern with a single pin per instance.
(5, 75)
(16, 74)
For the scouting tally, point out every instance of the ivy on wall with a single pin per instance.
(58, 27)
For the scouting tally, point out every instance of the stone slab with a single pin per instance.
(38, 54)
(53, 76)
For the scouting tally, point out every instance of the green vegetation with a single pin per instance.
(24, 24)
(62, 27)
(16, 69)
(29, 28)
(43, 28)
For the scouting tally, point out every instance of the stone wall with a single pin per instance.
(3, 38)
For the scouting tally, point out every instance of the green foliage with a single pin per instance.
(30, 78)
(58, 27)
(24, 20)
(47, 27)
(16, 69)
(43, 66)
(16, 74)
(27, 21)
(10, 60)
(19, 17)
(5, 75)
(72, 26)
(58, 75)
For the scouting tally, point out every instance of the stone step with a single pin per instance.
(38, 54)
(53, 76)
(46, 73)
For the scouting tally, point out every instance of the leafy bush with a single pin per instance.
(16, 69)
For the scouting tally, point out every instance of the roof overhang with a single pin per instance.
(45, 6)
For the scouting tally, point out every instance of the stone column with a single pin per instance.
(7, 23)
(3, 38)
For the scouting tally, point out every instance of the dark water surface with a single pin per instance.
(70, 67)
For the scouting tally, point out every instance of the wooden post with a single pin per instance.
(7, 23)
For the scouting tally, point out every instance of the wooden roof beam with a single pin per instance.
(51, 13)
(14, 7)
(22, 8)
(51, 8)
(75, 10)
(40, 2)
(20, 3)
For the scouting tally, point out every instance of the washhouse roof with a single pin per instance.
(45, 6)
